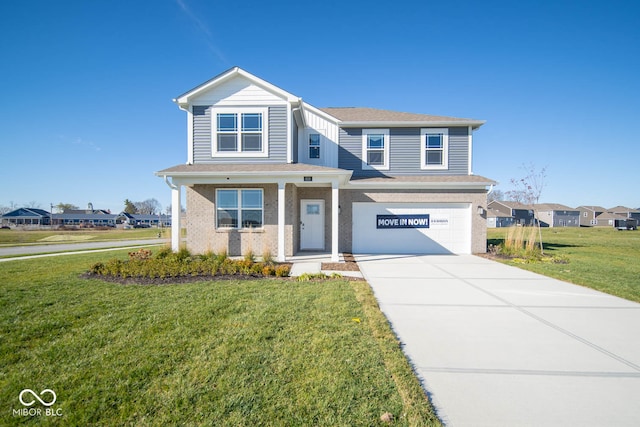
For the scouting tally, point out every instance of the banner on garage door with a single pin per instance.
(402, 221)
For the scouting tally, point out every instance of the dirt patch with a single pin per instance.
(349, 264)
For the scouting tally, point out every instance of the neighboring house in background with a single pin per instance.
(589, 214)
(86, 218)
(267, 172)
(557, 215)
(26, 217)
(626, 212)
(498, 219)
(152, 220)
(608, 219)
(522, 214)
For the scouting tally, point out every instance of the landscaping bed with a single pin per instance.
(165, 266)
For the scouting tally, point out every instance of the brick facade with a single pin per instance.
(202, 235)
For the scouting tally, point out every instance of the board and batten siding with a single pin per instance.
(404, 154)
(237, 91)
(202, 137)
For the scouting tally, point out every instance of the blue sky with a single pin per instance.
(86, 112)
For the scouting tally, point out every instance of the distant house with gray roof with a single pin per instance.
(589, 214)
(522, 214)
(557, 215)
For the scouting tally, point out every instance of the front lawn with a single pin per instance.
(600, 258)
(16, 237)
(259, 352)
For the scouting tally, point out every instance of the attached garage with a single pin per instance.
(412, 228)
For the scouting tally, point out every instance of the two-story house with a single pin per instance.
(521, 213)
(557, 215)
(267, 171)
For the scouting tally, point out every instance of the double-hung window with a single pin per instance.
(239, 132)
(239, 208)
(314, 146)
(375, 148)
(434, 151)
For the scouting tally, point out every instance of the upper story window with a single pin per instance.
(239, 208)
(434, 151)
(239, 132)
(375, 148)
(314, 146)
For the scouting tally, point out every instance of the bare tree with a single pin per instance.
(148, 207)
(33, 204)
(495, 195)
(528, 190)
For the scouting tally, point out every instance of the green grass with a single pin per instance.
(600, 258)
(262, 352)
(15, 237)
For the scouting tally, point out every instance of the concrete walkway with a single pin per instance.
(499, 346)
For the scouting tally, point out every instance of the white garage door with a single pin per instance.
(412, 228)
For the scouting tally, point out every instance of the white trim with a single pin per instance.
(470, 150)
(186, 98)
(281, 221)
(190, 135)
(289, 135)
(175, 217)
(305, 245)
(445, 148)
(335, 220)
(412, 124)
(239, 208)
(365, 149)
(239, 111)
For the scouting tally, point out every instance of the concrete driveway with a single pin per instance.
(499, 346)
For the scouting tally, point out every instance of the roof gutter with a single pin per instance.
(475, 124)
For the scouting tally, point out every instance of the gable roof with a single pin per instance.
(592, 208)
(553, 207)
(362, 116)
(27, 213)
(184, 99)
(513, 205)
(622, 209)
(609, 215)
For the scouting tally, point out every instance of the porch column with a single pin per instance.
(281, 220)
(335, 220)
(175, 217)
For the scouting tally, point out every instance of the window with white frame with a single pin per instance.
(239, 132)
(239, 208)
(375, 148)
(434, 151)
(314, 146)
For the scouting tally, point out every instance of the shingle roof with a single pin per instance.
(264, 168)
(592, 208)
(453, 179)
(514, 205)
(553, 207)
(363, 114)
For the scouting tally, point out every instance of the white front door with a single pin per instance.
(312, 224)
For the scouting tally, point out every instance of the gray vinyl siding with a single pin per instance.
(202, 138)
(404, 154)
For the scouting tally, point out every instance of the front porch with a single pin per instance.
(299, 209)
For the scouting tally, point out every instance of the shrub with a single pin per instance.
(143, 264)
